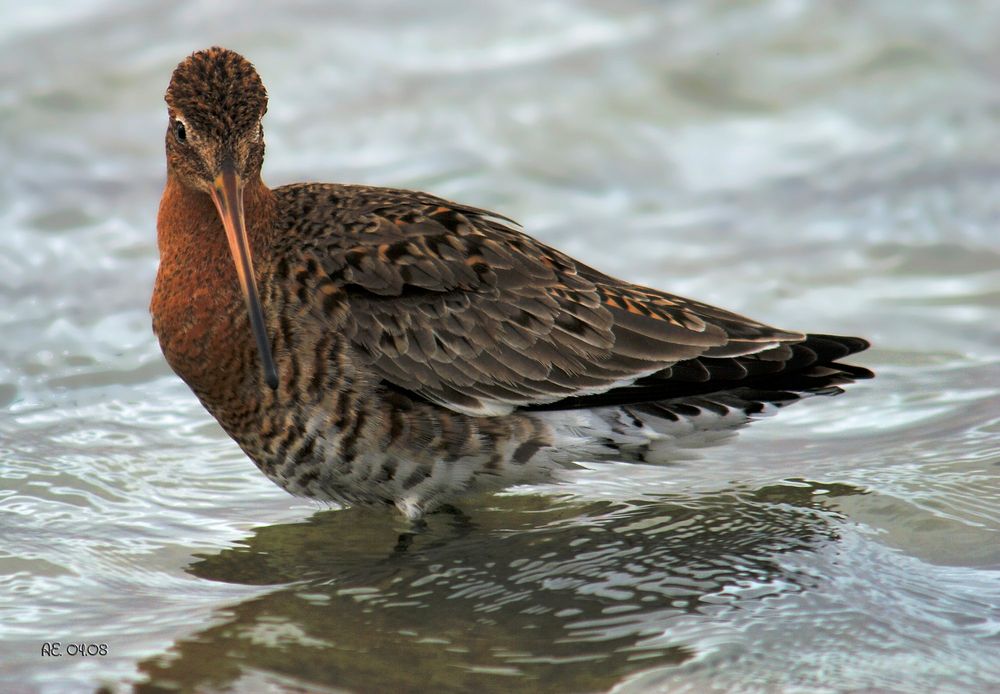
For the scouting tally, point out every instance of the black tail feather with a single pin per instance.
(812, 367)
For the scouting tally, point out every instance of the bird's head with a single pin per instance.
(215, 102)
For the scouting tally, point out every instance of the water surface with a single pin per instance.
(824, 166)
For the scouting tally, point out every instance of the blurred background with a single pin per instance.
(821, 166)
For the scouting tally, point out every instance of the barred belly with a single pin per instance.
(396, 451)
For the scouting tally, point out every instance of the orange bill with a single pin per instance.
(227, 194)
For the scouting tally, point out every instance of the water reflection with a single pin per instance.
(556, 596)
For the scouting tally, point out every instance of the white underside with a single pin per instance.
(612, 433)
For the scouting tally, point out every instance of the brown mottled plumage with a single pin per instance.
(410, 349)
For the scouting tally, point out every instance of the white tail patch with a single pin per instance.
(653, 433)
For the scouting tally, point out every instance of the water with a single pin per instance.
(825, 166)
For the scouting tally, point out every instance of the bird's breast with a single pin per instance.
(204, 333)
(199, 315)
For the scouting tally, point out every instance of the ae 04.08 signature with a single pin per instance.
(57, 649)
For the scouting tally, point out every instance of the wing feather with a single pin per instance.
(456, 305)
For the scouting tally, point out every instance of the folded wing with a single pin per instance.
(455, 305)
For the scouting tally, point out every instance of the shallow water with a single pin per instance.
(824, 166)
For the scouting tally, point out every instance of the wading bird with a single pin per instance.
(378, 346)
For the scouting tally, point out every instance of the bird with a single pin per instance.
(372, 346)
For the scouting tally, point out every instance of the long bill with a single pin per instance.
(227, 194)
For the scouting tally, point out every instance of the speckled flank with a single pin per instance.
(426, 349)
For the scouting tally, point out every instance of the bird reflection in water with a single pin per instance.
(554, 594)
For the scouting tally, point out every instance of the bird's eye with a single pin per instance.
(180, 132)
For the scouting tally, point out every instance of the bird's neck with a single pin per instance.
(189, 222)
(199, 313)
